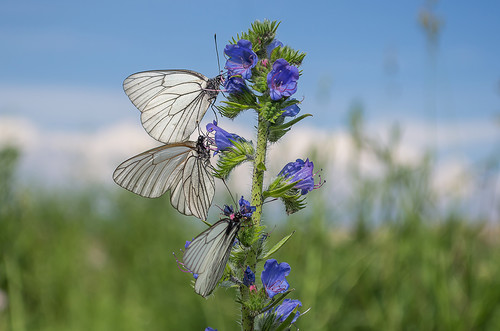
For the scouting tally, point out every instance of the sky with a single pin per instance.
(62, 66)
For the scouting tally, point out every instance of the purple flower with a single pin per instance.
(241, 59)
(245, 209)
(228, 210)
(273, 277)
(282, 79)
(234, 84)
(222, 137)
(286, 308)
(291, 111)
(248, 277)
(299, 170)
(210, 329)
(275, 43)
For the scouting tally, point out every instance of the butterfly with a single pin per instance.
(182, 168)
(172, 102)
(208, 253)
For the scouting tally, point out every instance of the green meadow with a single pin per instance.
(387, 259)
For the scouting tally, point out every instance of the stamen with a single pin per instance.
(181, 265)
(277, 286)
(320, 183)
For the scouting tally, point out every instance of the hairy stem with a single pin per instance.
(258, 170)
(247, 320)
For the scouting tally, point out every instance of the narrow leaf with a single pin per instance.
(261, 167)
(278, 246)
(276, 301)
(286, 323)
(290, 123)
(280, 191)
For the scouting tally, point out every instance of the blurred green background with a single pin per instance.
(94, 260)
(381, 246)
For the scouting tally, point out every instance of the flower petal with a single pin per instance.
(273, 277)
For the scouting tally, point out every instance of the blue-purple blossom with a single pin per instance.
(234, 84)
(286, 308)
(223, 139)
(248, 277)
(291, 111)
(273, 277)
(275, 43)
(241, 59)
(300, 170)
(210, 329)
(228, 210)
(282, 79)
(245, 209)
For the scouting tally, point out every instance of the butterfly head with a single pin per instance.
(201, 148)
(213, 86)
(233, 216)
(219, 80)
(236, 216)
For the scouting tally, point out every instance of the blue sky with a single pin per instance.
(63, 62)
(96, 44)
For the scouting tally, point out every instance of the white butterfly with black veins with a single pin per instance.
(182, 168)
(209, 252)
(172, 102)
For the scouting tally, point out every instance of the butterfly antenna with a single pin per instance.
(213, 107)
(217, 51)
(227, 187)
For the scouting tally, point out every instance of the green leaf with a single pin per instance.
(206, 223)
(236, 103)
(261, 166)
(277, 246)
(286, 323)
(289, 54)
(260, 35)
(281, 188)
(293, 202)
(277, 301)
(266, 322)
(241, 151)
(292, 198)
(278, 131)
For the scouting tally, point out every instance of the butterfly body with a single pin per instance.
(181, 168)
(208, 253)
(172, 102)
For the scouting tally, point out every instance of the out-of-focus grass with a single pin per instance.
(66, 267)
(96, 261)
(409, 277)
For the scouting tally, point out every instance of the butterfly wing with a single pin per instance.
(193, 189)
(174, 167)
(208, 253)
(172, 102)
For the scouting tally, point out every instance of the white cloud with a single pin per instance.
(55, 158)
(66, 108)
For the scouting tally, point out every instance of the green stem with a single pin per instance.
(258, 170)
(247, 320)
